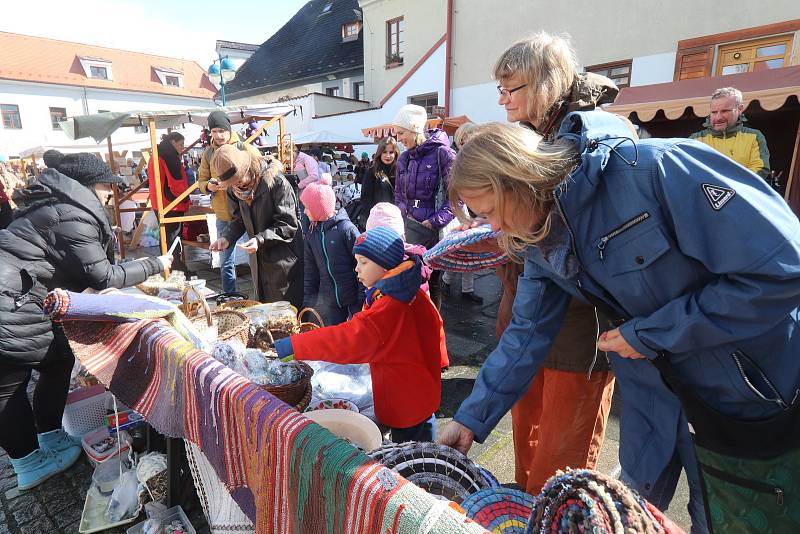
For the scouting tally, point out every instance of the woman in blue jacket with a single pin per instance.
(703, 258)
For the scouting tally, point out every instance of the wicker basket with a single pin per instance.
(230, 324)
(176, 281)
(307, 327)
(238, 304)
(295, 394)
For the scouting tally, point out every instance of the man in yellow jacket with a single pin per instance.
(221, 134)
(725, 132)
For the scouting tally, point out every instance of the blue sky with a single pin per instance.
(164, 27)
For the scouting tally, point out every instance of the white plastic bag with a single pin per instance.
(125, 499)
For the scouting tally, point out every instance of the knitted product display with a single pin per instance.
(285, 473)
(500, 510)
(450, 254)
(582, 500)
(436, 468)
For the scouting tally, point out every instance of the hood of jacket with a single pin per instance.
(52, 187)
(338, 217)
(436, 138)
(402, 282)
(731, 130)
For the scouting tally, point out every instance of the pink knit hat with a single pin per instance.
(386, 214)
(319, 198)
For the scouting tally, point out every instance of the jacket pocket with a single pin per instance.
(636, 254)
(619, 230)
(756, 381)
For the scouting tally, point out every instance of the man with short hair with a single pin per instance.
(725, 132)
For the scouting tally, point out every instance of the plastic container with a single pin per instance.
(174, 513)
(97, 436)
(85, 410)
(282, 319)
(106, 474)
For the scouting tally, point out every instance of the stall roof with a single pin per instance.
(449, 125)
(101, 125)
(326, 137)
(771, 88)
(39, 150)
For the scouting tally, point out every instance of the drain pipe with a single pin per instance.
(448, 59)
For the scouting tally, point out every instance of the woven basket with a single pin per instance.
(295, 393)
(230, 324)
(176, 281)
(307, 327)
(499, 509)
(238, 304)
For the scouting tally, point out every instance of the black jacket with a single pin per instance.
(330, 277)
(60, 237)
(277, 266)
(375, 189)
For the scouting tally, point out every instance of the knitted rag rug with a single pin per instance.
(582, 500)
(286, 473)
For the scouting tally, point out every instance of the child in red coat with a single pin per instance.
(399, 333)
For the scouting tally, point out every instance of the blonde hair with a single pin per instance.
(548, 65)
(511, 161)
(463, 133)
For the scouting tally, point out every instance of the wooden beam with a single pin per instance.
(179, 198)
(261, 129)
(133, 191)
(159, 207)
(794, 168)
(184, 218)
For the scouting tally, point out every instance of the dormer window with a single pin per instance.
(350, 31)
(96, 68)
(169, 76)
(327, 8)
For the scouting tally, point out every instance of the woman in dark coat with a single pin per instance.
(263, 204)
(60, 237)
(378, 183)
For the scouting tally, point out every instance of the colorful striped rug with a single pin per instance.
(287, 474)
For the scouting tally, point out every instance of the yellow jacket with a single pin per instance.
(746, 146)
(219, 199)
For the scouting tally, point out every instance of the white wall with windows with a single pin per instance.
(38, 105)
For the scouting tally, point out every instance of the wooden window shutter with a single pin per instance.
(694, 62)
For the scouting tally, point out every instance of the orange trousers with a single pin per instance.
(559, 423)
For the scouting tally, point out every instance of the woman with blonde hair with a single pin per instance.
(709, 282)
(538, 84)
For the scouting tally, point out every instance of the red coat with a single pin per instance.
(404, 345)
(170, 186)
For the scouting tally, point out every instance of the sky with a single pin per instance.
(174, 28)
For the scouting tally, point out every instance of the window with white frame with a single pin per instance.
(350, 31)
(332, 91)
(101, 73)
(358, 90)
(96, 68)
(428, 102)
(394, 41)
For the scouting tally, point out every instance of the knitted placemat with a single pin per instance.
(449, 254)
(500, 510)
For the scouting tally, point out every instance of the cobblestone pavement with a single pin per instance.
(56, 506)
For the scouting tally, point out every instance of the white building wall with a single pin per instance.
(34, 101)
(657, 68)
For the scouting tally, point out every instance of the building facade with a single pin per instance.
(43, 81)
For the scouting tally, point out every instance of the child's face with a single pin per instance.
(368, 271)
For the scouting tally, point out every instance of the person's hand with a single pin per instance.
(219, 245)
(427, 224)
(213, 185)
(457, 436)
(166, 261)
(474, 224)
(250, 246)
(612, 341)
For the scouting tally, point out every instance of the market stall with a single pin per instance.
(101, 126)
(448, 124)
(772, 105)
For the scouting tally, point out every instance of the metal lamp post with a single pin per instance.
(221, 71)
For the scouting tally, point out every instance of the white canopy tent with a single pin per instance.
(38, 150)
(324, 137)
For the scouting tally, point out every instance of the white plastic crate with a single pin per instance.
(85, 410)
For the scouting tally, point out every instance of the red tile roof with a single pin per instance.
(37, 59)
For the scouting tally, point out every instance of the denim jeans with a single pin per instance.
(227, 263)
(663, 490)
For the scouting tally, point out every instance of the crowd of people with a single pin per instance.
(625, 253)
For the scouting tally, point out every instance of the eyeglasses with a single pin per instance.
(508, 92)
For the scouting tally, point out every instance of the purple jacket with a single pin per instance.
(421, 180)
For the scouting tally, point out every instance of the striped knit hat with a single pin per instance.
(382, 245)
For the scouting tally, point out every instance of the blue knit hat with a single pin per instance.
(382, 245)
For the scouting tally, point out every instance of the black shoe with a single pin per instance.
(445, 289)
(472, 297)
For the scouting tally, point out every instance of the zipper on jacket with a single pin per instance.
(328, 267)
(761, 487)
(778, 398)
(620, 229)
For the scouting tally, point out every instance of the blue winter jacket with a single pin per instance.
(701, 254)
(329, 263)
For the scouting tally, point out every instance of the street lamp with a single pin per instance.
(221, 71)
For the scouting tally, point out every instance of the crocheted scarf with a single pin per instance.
(286, 473)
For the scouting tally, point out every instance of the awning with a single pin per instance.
(39, 150)
(322, 137)
(448, 124)
(101, 125)
(770, 88)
